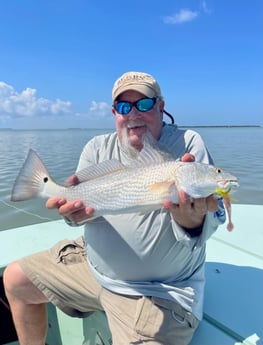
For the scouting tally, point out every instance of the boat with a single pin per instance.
(233, 306)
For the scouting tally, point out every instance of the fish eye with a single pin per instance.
(45, 179)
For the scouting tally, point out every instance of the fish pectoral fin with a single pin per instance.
(162, 188)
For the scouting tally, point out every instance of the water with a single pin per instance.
(238, 150)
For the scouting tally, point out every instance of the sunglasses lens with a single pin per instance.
(123, 108)
(145, 104)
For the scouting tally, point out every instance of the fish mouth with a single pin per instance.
(228, 185)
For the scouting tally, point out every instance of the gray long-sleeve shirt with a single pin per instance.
(149, 254)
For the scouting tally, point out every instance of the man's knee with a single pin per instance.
(19, 286)
(13, 277)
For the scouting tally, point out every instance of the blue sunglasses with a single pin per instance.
(143, 105)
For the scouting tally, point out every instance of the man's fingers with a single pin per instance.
(212, 203)
(188, 157)
(89, 211)
(184, 198)
(167, 204)
(55, 202)
(200, 206)
(72, 180)
(71, 207)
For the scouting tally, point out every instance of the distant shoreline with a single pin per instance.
(76, 129)
(221, 126)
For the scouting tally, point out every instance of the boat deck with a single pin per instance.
(233, 307)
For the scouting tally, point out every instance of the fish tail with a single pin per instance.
(31, 180)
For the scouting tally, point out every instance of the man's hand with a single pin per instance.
(72, 210)
(189, 212)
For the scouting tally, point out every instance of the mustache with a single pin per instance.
(135, 123)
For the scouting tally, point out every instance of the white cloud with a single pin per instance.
(205, 8)
(184, 15)
(27, 104)
(100, 109)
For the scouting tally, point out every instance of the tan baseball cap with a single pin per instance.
(137, 81)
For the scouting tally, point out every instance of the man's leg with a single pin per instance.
(27, 305)
(60, 275)
(147, 320)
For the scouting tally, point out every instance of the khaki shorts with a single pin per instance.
(63, 275)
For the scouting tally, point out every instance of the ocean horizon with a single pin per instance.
(113, 128)
(235, 148)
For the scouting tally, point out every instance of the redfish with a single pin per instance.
(114, 188)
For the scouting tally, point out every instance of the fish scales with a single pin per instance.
(112, 188)
(124, 189)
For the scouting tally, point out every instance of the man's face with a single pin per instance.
(132, 127)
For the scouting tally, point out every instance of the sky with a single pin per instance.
(59, 60)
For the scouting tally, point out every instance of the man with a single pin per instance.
(146, 271)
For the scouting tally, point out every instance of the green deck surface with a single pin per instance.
(233, 307)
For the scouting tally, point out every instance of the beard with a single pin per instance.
(131, 147)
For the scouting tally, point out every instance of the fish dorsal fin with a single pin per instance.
(151, 155)
(98, 170)
(147, 156)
